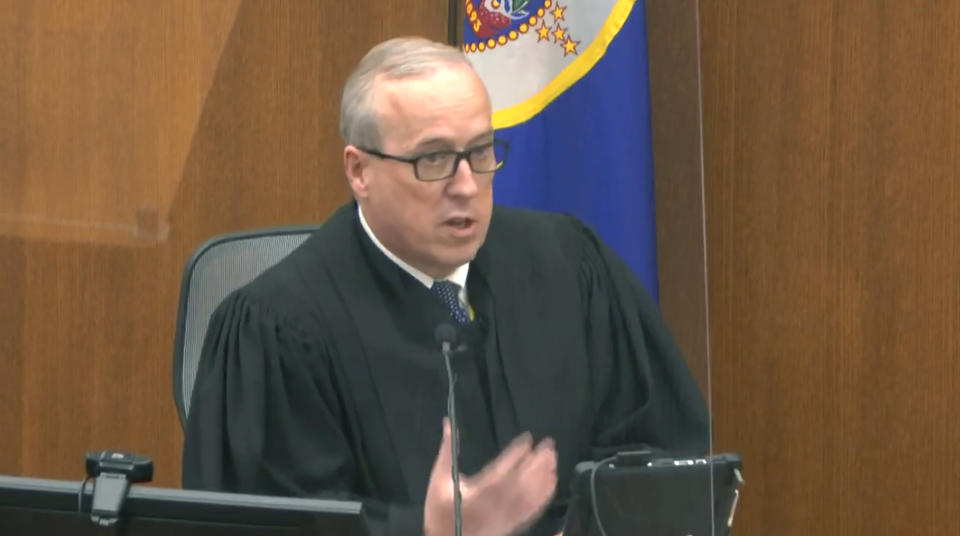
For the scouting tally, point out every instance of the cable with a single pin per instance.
(83, 487)
(593, 493)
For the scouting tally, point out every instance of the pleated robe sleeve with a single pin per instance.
(265, 416)
(644, 394)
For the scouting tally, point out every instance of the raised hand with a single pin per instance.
(502, 499)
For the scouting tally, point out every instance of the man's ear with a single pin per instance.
(354, 165)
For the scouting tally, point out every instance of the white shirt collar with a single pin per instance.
(458, 276)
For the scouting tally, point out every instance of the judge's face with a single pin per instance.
(434, 226)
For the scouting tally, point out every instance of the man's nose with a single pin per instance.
(464, 181)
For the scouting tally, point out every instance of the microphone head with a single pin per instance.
(446, 333)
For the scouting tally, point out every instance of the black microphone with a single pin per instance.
(447, 336)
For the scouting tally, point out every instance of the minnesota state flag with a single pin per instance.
(568, 82)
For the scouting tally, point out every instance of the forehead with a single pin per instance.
(448, 103)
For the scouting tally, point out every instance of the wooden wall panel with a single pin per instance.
(832, 144)
(129, 133)
(12, 161)
(672, 37)
(11, 354)
(128, 76)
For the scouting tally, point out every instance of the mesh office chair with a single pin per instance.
(216, 269)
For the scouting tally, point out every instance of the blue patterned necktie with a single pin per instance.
(449, 294)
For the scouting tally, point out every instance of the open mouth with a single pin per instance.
(460, 223)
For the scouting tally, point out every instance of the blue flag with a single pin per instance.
(569, 87)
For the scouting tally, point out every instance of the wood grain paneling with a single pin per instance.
(12, 162)
(11, 353)
(832, 144)
(137, 130)
(672, 37)
(128, 76)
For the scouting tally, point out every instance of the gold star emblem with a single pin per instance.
(569, 46)
(543, 32)
(559, 33)
(558, 12)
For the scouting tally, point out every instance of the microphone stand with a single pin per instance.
(454, 443)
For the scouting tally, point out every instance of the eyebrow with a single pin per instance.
(445, 142)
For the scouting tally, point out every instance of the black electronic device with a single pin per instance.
(638, 492)
(113, 472)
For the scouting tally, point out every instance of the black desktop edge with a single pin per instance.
(41, 506)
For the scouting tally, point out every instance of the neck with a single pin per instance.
(420, 272)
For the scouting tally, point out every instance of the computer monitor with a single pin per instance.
(41, 506)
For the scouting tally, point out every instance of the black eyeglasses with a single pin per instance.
(440, 165)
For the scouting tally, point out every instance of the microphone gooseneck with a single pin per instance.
(447, 336)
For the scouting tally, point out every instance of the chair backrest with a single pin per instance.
(217, 268)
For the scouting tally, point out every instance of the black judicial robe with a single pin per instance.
(321, 378)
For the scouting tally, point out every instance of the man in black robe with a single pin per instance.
(322, 378)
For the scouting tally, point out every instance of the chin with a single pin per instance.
(455, 261)
(460, 256)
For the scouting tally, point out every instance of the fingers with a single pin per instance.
(518, 484)
(507, 462)
(541, 467)
(535, 480)
(538, 478)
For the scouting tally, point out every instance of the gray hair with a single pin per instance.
(394, 59)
